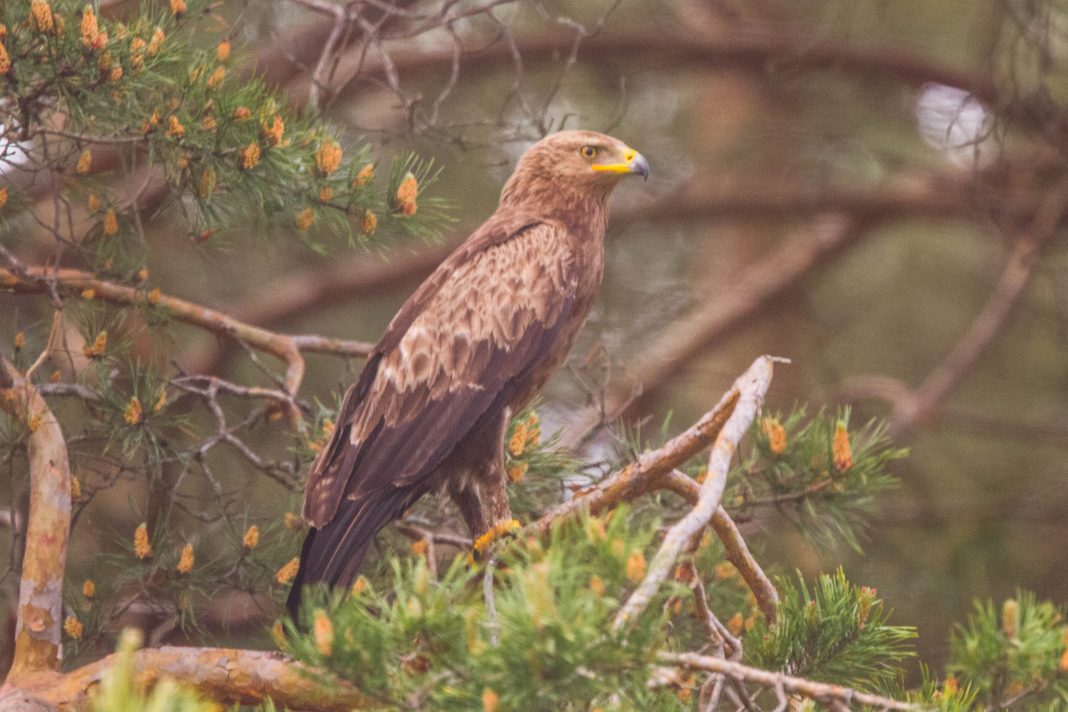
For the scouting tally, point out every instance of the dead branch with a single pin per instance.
(286, 348)
(224, 674)
(737, 551)
(819, 691)
(751, 387)
(642, 475)
(40, 605)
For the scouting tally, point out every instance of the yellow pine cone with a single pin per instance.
(85, 162)
(41, 18)
(369, 223)
(178, 7)
(636, 566)
(111, 222)
(133, 414)
(323, 632)
(100, 343)
(840, 447)
(222, 51)
(5, 60)
(174, 127)
(272, 133)
(1009, 611)
(518, 442)
(419, 548)
(88, 588)
(208, 181)
(407, 192)
(156, 42)
(364, 176)
(3, 196)
(597, 585)
(142, 548)
(518, 471)
(186, 560)
(137, 53)
(304, 219)
(216, 77)
(250, 156)
(288, 571)
(776, 435)
(328, 157)
(490, 700)
(252, 537)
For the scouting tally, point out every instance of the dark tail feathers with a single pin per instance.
(333, 554)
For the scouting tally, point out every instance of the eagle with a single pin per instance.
(469, 348)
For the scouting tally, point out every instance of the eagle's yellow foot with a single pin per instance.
(499, 529)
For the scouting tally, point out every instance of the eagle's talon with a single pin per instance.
(499, 529)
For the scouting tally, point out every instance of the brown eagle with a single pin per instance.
(472, 345)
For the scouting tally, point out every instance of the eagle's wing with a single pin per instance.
(456, 351)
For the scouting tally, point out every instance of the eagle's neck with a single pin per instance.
(583, 208)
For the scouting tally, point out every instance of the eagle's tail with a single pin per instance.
(333, 554)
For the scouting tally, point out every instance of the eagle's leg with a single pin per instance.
(482, 498)
(469, 503)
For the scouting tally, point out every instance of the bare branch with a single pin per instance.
(751, 387)
(286, 348)
(642, 475)
(40, 605)
(737, 551)
(819, 691)
(224, 674)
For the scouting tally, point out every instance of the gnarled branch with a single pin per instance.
(222, 674)
(40, 605)
(751, 387)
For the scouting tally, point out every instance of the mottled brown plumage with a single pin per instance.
(472, 345)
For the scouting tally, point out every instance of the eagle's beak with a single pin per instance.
(633, 162)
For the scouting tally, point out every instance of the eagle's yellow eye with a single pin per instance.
(588, 151)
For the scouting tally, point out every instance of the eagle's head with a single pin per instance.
(571, 162)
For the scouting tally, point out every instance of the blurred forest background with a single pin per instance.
(872, 188)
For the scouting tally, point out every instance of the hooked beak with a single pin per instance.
(633, 162)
